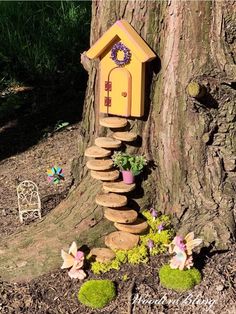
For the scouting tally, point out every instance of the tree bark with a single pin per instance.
(191, 142)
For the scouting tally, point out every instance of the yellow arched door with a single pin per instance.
(118, 87)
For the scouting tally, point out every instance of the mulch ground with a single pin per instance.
(56, 293)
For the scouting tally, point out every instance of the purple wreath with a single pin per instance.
(127, 54)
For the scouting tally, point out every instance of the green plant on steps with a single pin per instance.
(141, 253)
(179, 280)
(127, 162)
(97, 293)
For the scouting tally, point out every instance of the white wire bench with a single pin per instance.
(29, 202)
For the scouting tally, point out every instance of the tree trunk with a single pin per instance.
(190, 141)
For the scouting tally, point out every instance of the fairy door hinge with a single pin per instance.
(108, 86)
(107, 101)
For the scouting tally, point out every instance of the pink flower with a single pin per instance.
(154, 213)
(160, 228)
(150, 244)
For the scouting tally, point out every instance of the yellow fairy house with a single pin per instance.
(122, 54)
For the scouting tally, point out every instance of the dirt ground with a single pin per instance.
(32, 164)
(56, 293)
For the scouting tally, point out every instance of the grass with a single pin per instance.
(42, 40)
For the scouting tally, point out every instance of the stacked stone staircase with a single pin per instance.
(111, 197)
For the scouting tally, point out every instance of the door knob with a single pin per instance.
(124, 94)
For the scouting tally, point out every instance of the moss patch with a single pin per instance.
(194, 89)
(179, 280)
(97, 293)
(140, 253)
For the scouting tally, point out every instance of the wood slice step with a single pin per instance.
(111, 200)
(120, 240)
(108, 175)
(113, 122)
(122, 216)
(125, 136)
(103, 255)
(118, 187)
(99, 164)
(107, 142)
(97, 152)
(137, 227)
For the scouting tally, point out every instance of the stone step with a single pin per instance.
(118, 187)
(107, 142)
(113, 122)
(108, 175)
(137, 227)
(97, 152)
(103, 255)
(125, 136)
(99, 164)
(111, 200)
(121, 215)
(119, 240)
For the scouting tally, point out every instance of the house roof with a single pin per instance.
(123, 30)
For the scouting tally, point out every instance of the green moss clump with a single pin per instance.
(121, 256)
(97, 293)
(160, 239)
(179, 280)
(138, 255)
(141, 253)
(154, 223)
(125, 277)
(99, 268)
(194, 89)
